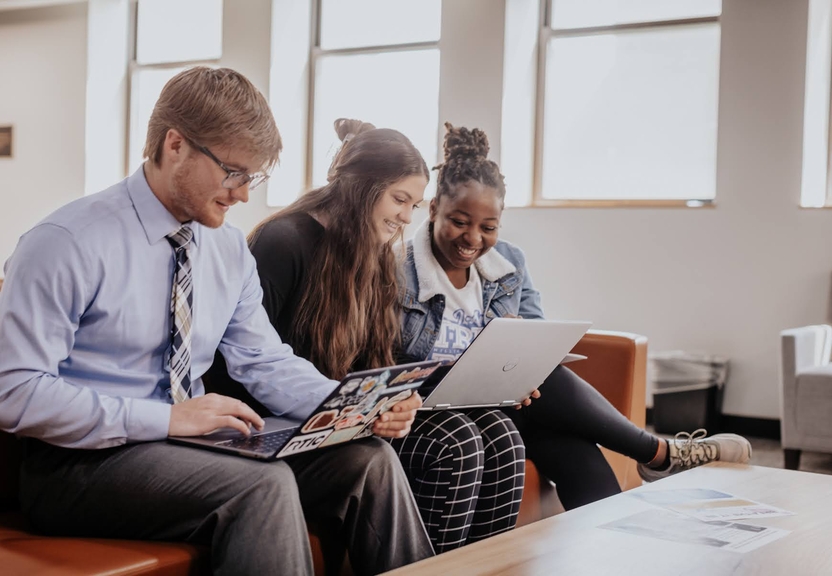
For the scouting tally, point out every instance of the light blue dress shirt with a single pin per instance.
(85, 323)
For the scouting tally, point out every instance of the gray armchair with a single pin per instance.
(805, 392)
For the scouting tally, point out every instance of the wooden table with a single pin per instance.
(571, 543)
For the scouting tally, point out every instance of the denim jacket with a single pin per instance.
(507, 289)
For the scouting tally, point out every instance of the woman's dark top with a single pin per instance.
(284, 250)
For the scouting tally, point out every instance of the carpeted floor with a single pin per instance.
(766, 452)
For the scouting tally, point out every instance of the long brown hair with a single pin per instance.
(348, 315)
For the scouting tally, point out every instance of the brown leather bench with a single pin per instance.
(616, 367)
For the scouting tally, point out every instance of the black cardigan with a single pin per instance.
(284, 250)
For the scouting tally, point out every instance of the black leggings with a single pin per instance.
(562, 430)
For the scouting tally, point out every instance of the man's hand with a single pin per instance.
(396, 422)
(205, 414)
(528, 400)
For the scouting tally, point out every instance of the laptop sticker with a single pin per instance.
(304, 443)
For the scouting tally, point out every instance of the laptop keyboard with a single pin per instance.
(268, 442)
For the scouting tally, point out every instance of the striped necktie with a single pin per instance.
(181, 300)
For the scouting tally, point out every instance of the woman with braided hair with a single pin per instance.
(459, 274)
(329, 279)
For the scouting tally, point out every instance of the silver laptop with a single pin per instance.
(510, 358)
(347, 414)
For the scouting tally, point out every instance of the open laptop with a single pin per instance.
(347, 414)
(507, 361)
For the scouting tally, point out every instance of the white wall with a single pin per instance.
(727, 279)
(246, 44)
(724, 280)
(43, 60)
(43, 79)
(471, 78)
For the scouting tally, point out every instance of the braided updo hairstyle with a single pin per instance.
(466, 159)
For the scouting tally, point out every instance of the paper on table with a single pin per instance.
(729, 509)
(572, 358)
(706, 505)
(666, 525)
(677, 496)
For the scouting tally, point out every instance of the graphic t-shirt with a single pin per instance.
(462, 319)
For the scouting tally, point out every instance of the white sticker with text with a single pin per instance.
(304, 443)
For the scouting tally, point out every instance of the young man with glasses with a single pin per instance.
(112, 310)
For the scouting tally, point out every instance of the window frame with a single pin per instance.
(546, 33)
(817, 111)
(316, 53)
(134, 67)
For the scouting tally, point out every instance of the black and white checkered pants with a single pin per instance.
(466, 470)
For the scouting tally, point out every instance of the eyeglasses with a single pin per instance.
(234, 178)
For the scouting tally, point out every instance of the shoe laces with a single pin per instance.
(692, 451)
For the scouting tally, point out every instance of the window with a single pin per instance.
(171, 35)
(377, 61)
(390, 89)
(627, 101)
(178, 31)
(816, 182)
(360, 23)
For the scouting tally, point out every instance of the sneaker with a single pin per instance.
(691, 450)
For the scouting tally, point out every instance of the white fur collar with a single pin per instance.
(492, 265)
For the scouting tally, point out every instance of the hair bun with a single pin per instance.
(464, 142)
(348, 128)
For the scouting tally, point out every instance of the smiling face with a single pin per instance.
(465, 225)
(194, 189)
(394, 210)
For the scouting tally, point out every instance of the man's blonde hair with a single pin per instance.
(215, 107)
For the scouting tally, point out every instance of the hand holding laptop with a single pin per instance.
(535, 394)
(396, 422)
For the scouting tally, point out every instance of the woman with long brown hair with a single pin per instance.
(329, 276)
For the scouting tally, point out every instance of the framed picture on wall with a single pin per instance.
(5, 141)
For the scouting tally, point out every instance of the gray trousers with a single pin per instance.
(251, 513)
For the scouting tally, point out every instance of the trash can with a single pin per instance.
(687, 391)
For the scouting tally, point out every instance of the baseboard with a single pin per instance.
(756, 427)
(744, 425)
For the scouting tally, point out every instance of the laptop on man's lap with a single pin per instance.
(347, 414)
